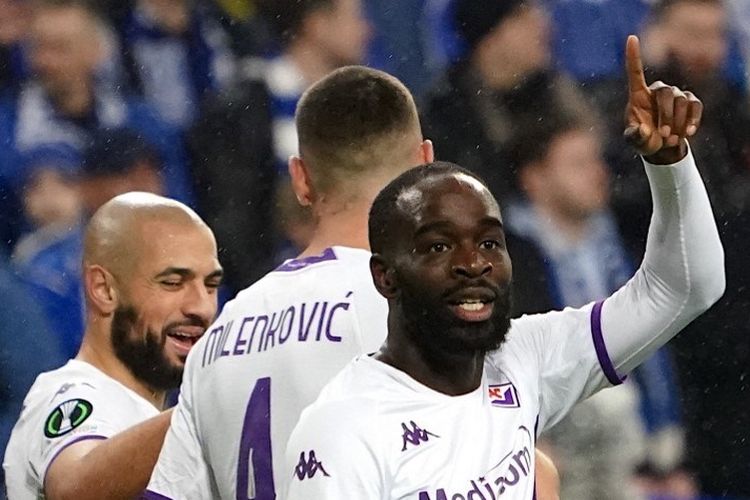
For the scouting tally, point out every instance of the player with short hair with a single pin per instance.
(451, 405)
(150, 276)
(279, 341)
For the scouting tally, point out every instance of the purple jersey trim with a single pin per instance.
(152, 495)
(601, 350)
(74, 441)
(296, 264)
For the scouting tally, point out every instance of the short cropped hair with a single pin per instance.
(286, 17)
(385, 211)
(353, 122)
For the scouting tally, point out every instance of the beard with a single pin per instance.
(144, 356)
(441, 336)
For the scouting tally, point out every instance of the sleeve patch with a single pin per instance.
(67, 416)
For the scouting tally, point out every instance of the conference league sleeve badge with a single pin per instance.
(66, 417)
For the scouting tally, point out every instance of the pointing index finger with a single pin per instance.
(636, 78)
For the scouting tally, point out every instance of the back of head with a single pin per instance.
(354, 124)
(385, 209)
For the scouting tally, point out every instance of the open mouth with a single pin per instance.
(473, 304)
(183, 341)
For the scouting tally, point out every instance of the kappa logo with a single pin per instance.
(504, 395)
(415, 435)
(66, 417)
(308, 467)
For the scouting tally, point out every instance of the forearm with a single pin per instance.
(116, 468)
(682, 272)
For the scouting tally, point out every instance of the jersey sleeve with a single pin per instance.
(331, 454)
(576, 352)
(78, 410)
(181, 470)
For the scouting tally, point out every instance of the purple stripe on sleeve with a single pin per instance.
(152, 495)
(66, 445)
(601, 350)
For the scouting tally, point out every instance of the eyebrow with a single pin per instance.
(445, 226)
(185, 273)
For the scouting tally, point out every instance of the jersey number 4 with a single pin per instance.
(254, 469)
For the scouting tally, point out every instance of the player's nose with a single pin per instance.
(199, 301)
(469, 262)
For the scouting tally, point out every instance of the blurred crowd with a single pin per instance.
(195, 99)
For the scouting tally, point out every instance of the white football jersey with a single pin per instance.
(64, 406)
(394, 438)
(266, 358)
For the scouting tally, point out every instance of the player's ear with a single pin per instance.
(427, 151)
(384, 276)
(100, 289)
(301, 183)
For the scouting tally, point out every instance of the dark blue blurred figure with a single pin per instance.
(13, 24)
(27, 348)
(174, 54)
(47, 257)
(401, 44)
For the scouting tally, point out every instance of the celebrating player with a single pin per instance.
(451, 405)
(150, 277)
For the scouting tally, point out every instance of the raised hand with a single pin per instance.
(658, 117)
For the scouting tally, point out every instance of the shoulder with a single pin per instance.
(350, 399)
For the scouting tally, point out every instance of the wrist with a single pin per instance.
(668, 156)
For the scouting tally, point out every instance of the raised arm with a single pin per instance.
(682, 273)
(114, 468)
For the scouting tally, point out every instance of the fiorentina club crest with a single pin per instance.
(504, 395)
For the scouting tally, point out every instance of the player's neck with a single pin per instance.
(343, 227)
(448, 373)
(102, 357)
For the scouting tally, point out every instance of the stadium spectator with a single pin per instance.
(65, 103)
(580, 257)
(151, 276)
(174, 54)
(28, 346)
(48, 257)
(506, 77)
(116, 162)
(458, 383)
